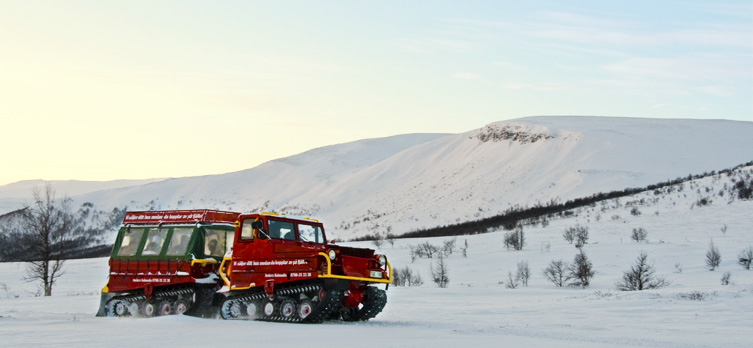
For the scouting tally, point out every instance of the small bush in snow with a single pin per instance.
(378, 242)
(639, 234)
(713, 257)
(641, 277)
(577, 234)
(390, 239)
(694, 295)
(555, 272)
(580, 272)
(581, 237)
(569, 234)
(464, 249)
(406, 277)
(424, 249)
(449, 246)
(745, 257)
(515, 239)
(725, 278)
(512, 281)
(523, 273)
(439, 272)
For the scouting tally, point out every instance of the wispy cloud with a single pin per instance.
(435, 44)
(467, 76)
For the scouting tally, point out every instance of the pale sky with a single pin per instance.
(104, 90)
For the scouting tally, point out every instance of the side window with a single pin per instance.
(155, 238)
(310, 233)
(215, 243)
(247, 231)
(129, 245)
(179, 241)
(281, 230)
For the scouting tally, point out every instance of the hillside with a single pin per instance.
(408, 182)
(478, 306)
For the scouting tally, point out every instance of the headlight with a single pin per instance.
(382, 260)
(332, 255)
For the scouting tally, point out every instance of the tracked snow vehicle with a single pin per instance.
(240, 266)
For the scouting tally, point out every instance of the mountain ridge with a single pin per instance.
(413, 181)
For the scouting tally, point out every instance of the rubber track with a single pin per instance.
(323, 309)
(158, 295)
(374, 301)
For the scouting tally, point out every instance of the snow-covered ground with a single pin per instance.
(477, 308)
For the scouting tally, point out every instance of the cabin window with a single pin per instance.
(216, 242)
(129, 245)
(310, 233)
(247, 230)
(179, 241)
(155, 238)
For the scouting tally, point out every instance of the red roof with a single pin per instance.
(155, 217)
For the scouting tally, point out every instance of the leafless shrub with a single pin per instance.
(424, 249)
(713, 257)
(390, 239)
(523, 273)
(580, 272)
(406, 277)
(745, 257)
(577, 234)
(725, 278)
(378, 242)
(512, 281)
(464, 249)
(639, 234)
(694, 295)
(439, 272)
(449, 246)
(555, 272)
(515, 238)
(641, 277)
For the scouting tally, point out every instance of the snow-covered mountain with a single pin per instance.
(406, 182)
(483, 304)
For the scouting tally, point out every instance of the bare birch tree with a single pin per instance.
(46, 233)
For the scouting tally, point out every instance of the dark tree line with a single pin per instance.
(512, 217)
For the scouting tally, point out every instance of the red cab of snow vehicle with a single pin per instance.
(282, 269)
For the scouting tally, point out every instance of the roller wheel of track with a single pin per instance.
(232, 309)
(148, 310)
(164, 308)
(117, 308)
(268, 309)
(252, 310)
(180, 307)
(304, 309)
(288, 308)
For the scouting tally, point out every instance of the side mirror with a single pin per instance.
(257, 225)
